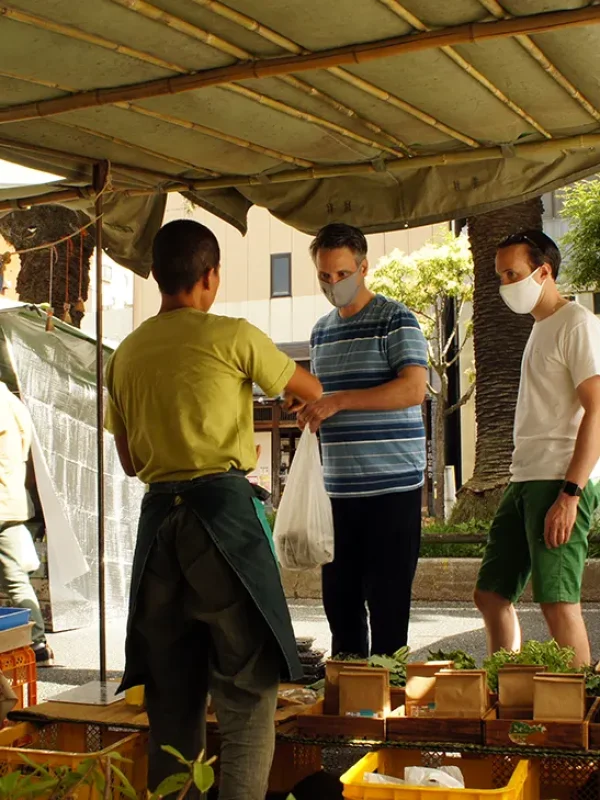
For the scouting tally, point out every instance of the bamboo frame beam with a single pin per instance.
(250, 24)
(169, 159)
(185, 124)
(147, 10)
(151, 176)
(584, 142)
(132, 146)
(181, 26)
(269, 68)
(225, 137)
(499, 12)
(151, 12)
(400, 11)
(276, 105)
(89, 38)
(156, 14)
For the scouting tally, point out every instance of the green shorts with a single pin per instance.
(516, 550)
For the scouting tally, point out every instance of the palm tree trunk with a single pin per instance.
(40, 225)
(499, 340)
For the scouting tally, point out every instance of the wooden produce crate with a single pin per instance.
(403, 728)
(594, 728)
(527, 732)
(397, 696)
(314, 722)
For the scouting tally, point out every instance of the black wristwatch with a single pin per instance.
(571, 489)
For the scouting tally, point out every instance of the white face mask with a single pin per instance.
(522, 297)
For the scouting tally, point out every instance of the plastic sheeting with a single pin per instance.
(55, 373)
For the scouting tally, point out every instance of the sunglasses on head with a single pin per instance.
(519, 238)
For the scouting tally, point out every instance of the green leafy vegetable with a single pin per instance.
(544, 654)
(461, 659)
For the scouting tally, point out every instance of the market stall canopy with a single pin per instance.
(375, 112)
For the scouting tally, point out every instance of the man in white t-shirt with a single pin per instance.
(542, 525)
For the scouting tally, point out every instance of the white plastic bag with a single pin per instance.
(303, 532)
(447, 777)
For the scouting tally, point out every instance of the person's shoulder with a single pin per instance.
(326, 321)
(578, 316)
(395, 312)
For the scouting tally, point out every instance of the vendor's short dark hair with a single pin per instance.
(542, 249)
(338, 234)
(182, 253)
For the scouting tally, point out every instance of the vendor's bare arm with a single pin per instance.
(303, 386)
(122, 446)
(587, 445)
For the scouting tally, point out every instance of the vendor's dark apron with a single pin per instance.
(227, 507)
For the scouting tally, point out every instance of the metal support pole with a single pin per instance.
(100, 176)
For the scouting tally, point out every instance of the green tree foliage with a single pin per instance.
(424, 281)
(581, 208)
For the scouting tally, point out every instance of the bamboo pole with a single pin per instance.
(250, 24)
(83, 36)
(121, 142)
(225, 137)
(155, 14)
(181, 26)
(499, 12)
(268, 34)
(151, 175)
(101, 175)
(398, 10)
(151, 12)
(276, 105)
(497, 153)
(139, 148)
(268, 68)
(401, 105)
(312, 91)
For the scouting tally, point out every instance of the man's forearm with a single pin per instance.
(587, 449)
(391, 396)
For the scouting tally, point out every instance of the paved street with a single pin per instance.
(433, 626)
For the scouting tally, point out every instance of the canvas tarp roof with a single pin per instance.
(379, 113)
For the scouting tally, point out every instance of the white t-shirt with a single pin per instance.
(15, 441)
(562, 352)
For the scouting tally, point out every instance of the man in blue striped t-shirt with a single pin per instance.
(371, 357)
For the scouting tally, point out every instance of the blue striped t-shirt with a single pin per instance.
(370, 452)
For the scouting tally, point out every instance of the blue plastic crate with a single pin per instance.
(13, 618)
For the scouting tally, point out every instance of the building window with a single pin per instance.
(596, 302)
(281, 275)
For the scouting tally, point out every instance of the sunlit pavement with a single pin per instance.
(436, 627)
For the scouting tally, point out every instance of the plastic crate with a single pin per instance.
(485, 778)
(292, 763)
(18, 667)
(13, 618)
(68, 744)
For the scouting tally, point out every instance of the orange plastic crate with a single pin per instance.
(68, 744)
(18, 667)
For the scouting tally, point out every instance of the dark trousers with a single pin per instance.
(200, 631)
(377, 542)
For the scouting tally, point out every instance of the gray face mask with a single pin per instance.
(342, 293)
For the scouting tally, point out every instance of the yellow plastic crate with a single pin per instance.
(486, 778)
(68, 744)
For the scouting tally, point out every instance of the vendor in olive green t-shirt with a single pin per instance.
(207, 611)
